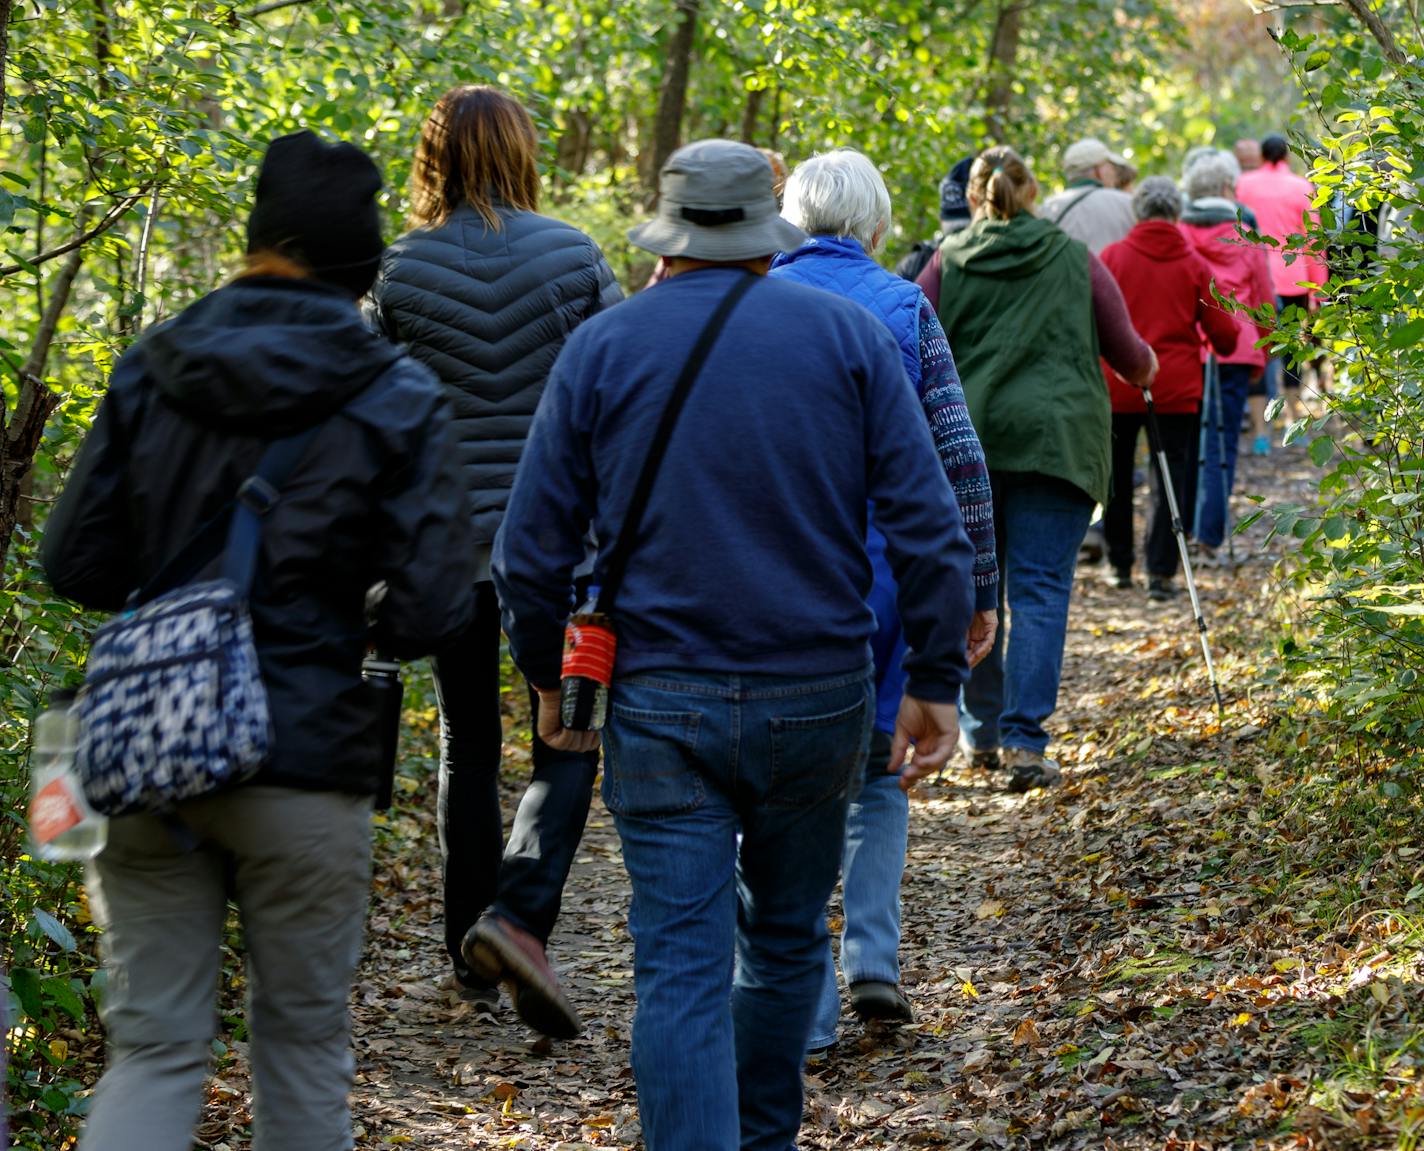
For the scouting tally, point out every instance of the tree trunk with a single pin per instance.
(751, 115)
(672, 96)
(1379, 30)
(5, 6)
(1003, 58)
(23, 431)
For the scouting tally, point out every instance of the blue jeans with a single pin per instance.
(728, 941)
(1039, 521)
(1227, 402)
(877, 834)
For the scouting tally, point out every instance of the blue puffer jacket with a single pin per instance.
(840, 265)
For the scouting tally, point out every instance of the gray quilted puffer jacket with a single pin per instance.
(488, 312)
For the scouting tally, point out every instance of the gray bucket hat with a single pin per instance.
(717, 203)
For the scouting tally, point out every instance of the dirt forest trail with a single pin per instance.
(1095, 966)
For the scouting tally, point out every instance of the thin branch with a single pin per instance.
(1379, 30)
(109, 219)
(271, 6)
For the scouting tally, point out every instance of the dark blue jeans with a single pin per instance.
(1039, 522)
(523, 880)
(729, 941)
(1213, 517)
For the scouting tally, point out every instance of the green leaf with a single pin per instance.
(1321, 450)
(1406, 335)
(1273, 409)
(54, 929)
(60, 991)
(25, 983)
(1316, 60)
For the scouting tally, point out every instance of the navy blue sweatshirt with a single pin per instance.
(751, 555)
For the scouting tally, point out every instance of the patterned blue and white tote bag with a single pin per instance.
(173, 705)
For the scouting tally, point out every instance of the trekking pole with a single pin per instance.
(1213, 375)
(1154, 434)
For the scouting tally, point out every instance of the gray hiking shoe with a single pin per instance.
(1030, 770)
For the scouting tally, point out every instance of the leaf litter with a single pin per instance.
(1103, 965)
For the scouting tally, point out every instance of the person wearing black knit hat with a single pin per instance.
(374, 497)
(953, 217)
(316, 205)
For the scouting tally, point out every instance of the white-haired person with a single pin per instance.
(1241, 273)
(1167, 287)
(840, 200)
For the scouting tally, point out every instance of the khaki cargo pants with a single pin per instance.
(298, 865)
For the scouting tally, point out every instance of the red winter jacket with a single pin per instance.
(1167, 287)
(1241, 274)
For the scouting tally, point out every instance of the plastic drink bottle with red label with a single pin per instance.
(63, 827)
(589, 650)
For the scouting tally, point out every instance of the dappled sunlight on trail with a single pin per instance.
(1148, 957)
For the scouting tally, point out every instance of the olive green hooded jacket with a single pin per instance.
(1016, 301)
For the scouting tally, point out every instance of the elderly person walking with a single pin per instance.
(1027, 311)
(741, 703)
(485, 290)
(1239, 272)
(840, 199)
(1167, 287)
(1091, 209)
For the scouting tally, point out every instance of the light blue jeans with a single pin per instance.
(877, 834)
(729, 941)
(1039, 523)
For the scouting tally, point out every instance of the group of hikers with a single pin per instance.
(855, 554)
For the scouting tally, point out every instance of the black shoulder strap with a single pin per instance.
(623, 546)
(1059, 218)
(235, 530)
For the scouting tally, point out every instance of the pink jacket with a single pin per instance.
(1282, 203)
(1239, 272)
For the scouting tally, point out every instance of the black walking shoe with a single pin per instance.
(1030, 770)
(981, 759)
(1121, 578)
(871, 999)
(1160, 589)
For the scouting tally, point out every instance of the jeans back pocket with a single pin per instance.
(649, 764)
(814, 757)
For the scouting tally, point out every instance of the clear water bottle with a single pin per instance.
(63, 827)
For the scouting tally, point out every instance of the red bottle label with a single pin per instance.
(53, 811)
(589, 650)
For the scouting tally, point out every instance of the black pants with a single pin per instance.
(524, 882)
(1179, 440)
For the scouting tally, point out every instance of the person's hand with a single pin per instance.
(552, 730)
(982, 629)
(934, 730)
(1148, 380)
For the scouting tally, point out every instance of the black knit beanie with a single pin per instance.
(953, 193)
(316, 203)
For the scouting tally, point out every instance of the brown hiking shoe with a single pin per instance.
(1030, 769)
(498, 951)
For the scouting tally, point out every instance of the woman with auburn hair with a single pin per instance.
(1027, 311)
(485, 291)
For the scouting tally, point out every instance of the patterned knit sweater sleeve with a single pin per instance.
(959, 451)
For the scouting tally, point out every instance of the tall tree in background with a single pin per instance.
(672, 96)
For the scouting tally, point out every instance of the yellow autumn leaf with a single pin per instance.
(969, 989)
(1289, 963)
(1242, 1019)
